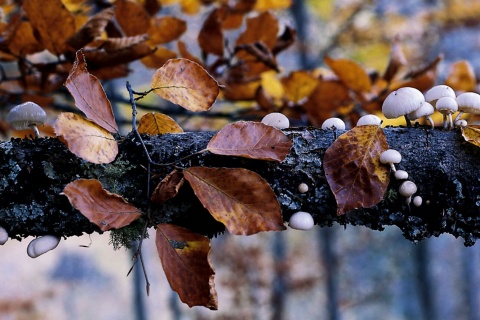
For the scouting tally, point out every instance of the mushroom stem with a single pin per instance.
(409, 124)
(450, 120)
(392, 166)
(429, 119)
(35, 130)
(444, 121)
(458, 116)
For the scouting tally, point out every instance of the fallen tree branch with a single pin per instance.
(445, 168)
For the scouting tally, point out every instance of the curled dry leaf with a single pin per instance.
(350, 73)
(353, 169)
(185, 258)
(471, 134)
(89, 95)
(93, 28)
(240, 199)
(253, 140)
(106, 210)
(86, 139)
(158, 123)
(168, 187)
(185, 83)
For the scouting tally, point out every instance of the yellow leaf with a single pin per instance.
(158, 123)
(472, 134)
(350, 73)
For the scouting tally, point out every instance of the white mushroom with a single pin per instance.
(3, 236)
(426, 110)
(438, 92)
(401, 175)
(461, 123)
(27, 115)
(468, 102)
(447, 106)
(369, 119)
(407, 189)
(301, 220)
(41, 245)
(277, 120)
(333, 124)
(417, 201)
(302, 187)
(401, 102)
(391, 157)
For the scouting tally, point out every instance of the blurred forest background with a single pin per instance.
(331, 273)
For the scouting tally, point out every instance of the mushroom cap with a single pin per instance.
(401, 175)
(369, 119)
(438, 92)
(3, 236)
(446, 105)
(407, 188)
(301, 220)
(333, 122)
(417, 201)
(461, 123)
(425, 110)
(25, 115)
(41, 245)
(303, 187)
(390, 156)
(469, 102)
(401, 102)
(277, 120)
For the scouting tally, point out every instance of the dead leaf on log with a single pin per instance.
(471, 134)
(253, 140)
(187, 84)
(168, 187)
(89, 95)
(185, 258)
(158, 123)
(353, 169)
(106, 210)
(240, 199)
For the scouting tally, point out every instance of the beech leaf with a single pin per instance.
(89, 95)
(158, 123)
(353, 169)
(185, 83)
(168, 187)
(471, 134)
(106, 210)
(350, 73)
(185, 258)
(93, 28)
(86, 139)
(240, 199)
(461, 76)
(253, 140)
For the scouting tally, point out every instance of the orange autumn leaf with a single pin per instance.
(24, 41)
(106, 210)
(353, 169)
(166, 29)
(86, 139)
(262, 28)
(89, 95)
(158, 58)
(253, 140)
(93, 28)
(461, 76)
(262, 5)
(132, 17)
(53, 23)
(350, 73)
(298, 85)
(185, 258)
(185, 83)
(168, 187)
(158, 123)
(240, 199)
(210, 38)
(471, 134)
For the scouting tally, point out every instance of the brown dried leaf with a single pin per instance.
(210, 37)
(86, 139)
(299, 85)
(53, 22)
(117, 44)
(158, 58)
(353, 169)
(350, 73)
(240, 199)
(263, 28)
(166, 29)
(132, 17)
(461, 76)
(89, 95)
(93, 28)
(24, 41)
(253, 140)
(103, 59)
(168, 187)
(471, 134)
(183, 50)
(185, 258)
(158, 123)
(106, 210)
(187, 84)
(235, 91)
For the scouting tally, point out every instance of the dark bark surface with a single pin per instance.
(444, 166)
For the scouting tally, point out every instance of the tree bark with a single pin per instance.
(445, 168)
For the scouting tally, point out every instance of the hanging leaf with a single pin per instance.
(132, 17)
(168, 187)
(253, 140)
(353, 169)
(89, 95)
(86, 139)
(210, 38)
(185, 258)
(240, 199)
(106, 210)
(158, 123)
(93, 28)
(24, 41)
(471, 134)
(166, 29)
(461, 76)
(350, 73)
(299, 85)
(396, 61)
(185, 83)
